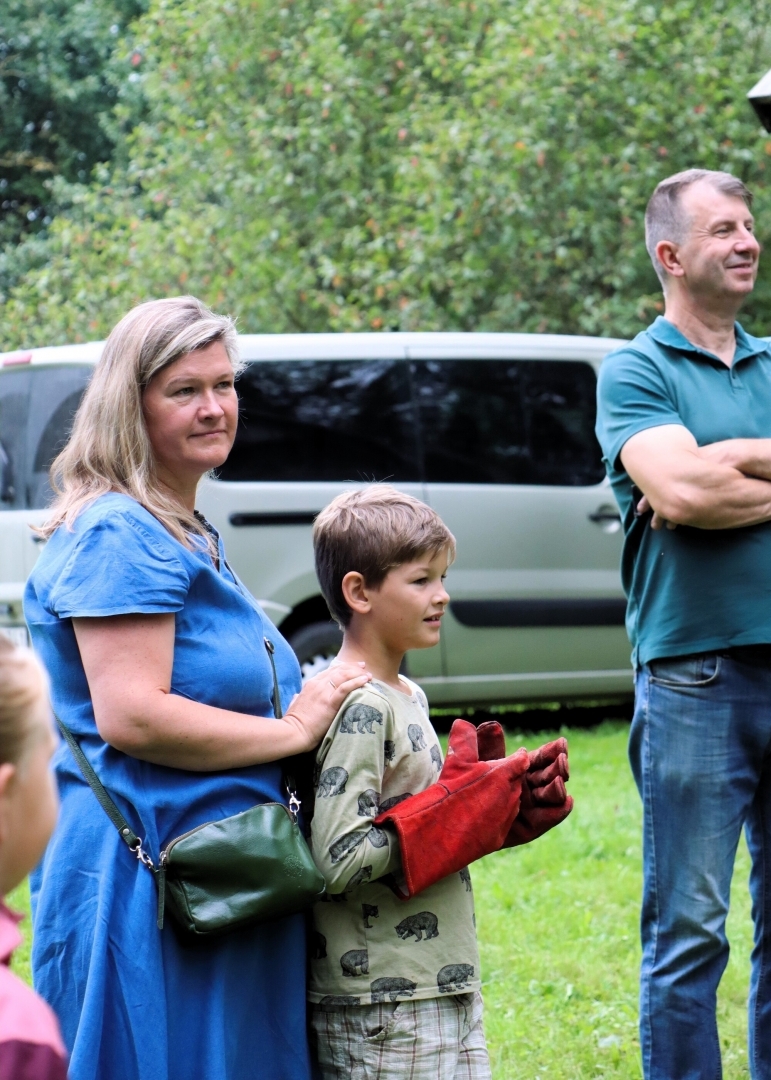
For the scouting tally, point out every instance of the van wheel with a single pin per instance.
(316, 646)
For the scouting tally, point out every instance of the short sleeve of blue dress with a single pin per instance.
(136, 1003)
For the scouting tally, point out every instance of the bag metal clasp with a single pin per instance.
(142, 855)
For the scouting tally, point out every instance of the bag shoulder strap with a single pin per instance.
(127, 834)
(278, 712)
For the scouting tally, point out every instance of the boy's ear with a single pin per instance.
(356, 593)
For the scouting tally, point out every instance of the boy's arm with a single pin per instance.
(347, 848)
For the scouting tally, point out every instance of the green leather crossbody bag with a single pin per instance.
(224, 875)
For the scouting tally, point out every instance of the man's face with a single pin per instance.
(719, 256)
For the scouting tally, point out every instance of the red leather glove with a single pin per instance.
(548, 772)
(534, 820)
(544, 802)
(466, 814)
(546, 757)
(491, 741)
(548, 784)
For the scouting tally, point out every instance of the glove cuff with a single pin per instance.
(441, 832)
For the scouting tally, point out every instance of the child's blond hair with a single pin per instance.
(372, 530)
(23, 683)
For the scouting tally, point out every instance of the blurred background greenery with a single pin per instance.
(360, 165)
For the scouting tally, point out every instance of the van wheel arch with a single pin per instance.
(312, 634)
(315, 646)
(312, 610)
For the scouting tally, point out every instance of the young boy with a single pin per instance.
(394, 971)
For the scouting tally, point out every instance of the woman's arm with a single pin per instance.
(128, 661)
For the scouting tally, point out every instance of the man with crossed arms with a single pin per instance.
(684, 417)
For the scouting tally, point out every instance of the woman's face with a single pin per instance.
(191, 412)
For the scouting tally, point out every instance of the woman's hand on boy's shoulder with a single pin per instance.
(318, 703)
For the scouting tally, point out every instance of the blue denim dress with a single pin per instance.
(136, 1003)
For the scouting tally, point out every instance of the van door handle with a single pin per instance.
(604, 515)
(607, 517)
(281, 517)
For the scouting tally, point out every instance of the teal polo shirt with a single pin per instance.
(689, 590)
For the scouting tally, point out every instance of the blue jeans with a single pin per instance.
(699, 749)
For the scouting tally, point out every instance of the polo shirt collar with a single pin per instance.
(665, 333)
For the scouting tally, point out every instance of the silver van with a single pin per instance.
(496, 431)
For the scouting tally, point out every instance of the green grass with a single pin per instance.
(558, 929)
(557, 924)
(18, 900)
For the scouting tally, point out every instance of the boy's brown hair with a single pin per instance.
(371, 531)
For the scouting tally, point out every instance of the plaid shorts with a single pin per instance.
(430, 1039)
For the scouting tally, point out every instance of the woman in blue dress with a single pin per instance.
(158, 666)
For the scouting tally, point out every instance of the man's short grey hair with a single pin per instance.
(664, 217)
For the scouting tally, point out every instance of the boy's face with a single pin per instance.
(407, 608)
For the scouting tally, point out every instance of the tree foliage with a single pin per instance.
(405, 164)
(60, 81)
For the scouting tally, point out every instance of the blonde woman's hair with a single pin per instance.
(372, 531)
(23, 684)
(109, 449)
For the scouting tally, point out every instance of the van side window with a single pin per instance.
(561, 407)
(55, 397)
(508, 421)
(14, 399)
(324, 420)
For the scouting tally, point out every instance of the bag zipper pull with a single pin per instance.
(277, 707)
(160, 881)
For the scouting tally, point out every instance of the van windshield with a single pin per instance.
(54, 398)
(14, 401)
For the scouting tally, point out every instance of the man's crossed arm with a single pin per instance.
(725, 485)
